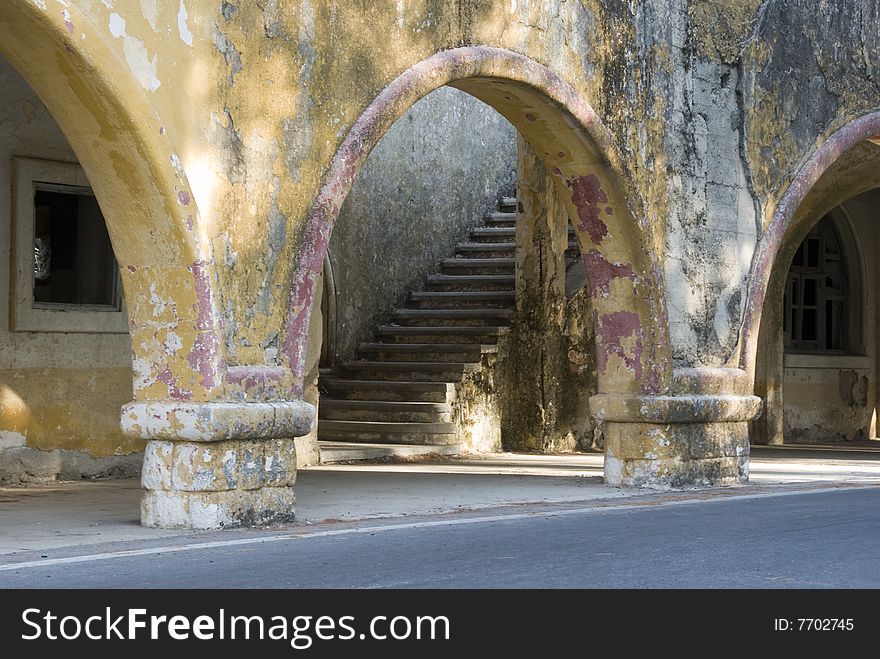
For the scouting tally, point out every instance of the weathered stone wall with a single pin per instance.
(755, 88)
(60, 393)
(809, 69)
(829, 400)
(222, 137)
(808, 93)
(267, 161)
(711, 232)
(431, 179)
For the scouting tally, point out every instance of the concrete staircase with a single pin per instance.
(397, 397)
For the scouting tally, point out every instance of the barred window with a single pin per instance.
(815, 293)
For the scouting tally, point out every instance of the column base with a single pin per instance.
(688, 440)
(676, 455)
(177, 509)
(210, 485)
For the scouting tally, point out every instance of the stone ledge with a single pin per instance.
(213, 422)
(675, 409)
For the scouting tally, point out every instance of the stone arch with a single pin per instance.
(190, 407)
(842, 167)
(815, 189)
(612, 227)
(148, 206)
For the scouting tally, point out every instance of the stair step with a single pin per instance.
(504, 234)
(387, 432)
(499, 233)
(454, 313)
(472, 282)
(400, 395)
(501, 219)
(390, 390)
(381, 410)
(410, 370)
(508, 203)
(484, 296)
(463, 299)
(426, 352)
(442, 334)
(480, 266)
(467, 317)
(493, 234)
(337, 452)
(486, 250)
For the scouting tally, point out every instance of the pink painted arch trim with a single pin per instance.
(866, 127)
(393, 101)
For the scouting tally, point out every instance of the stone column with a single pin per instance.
(548, 361)
(221, 445)
(218, 464)
(697, 436)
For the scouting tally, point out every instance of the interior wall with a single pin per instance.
(831, 398)
(60, 393)
(431, 178)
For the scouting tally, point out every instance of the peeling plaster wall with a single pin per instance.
(828, 400)
(217, 121)
(60, 393)
(268, 157)
(809, 68)
(712, 225)
(712, 232)
(831, 398)
(431, 179)
(753, 89)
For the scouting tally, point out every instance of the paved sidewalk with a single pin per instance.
(88, 513)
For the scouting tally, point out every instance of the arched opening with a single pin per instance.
(148, 206)
(630, 313)
(625, 290)
(423, 284)
(810, 334)
(64, 336)
(828, 374)
(71, 353)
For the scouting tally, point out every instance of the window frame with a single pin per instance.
(848, 299)
(27, 315)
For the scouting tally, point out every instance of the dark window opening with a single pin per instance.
(814, 301)
(73, 257)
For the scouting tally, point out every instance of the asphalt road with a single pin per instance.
(810, 540)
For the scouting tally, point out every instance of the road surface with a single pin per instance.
(827, 539)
